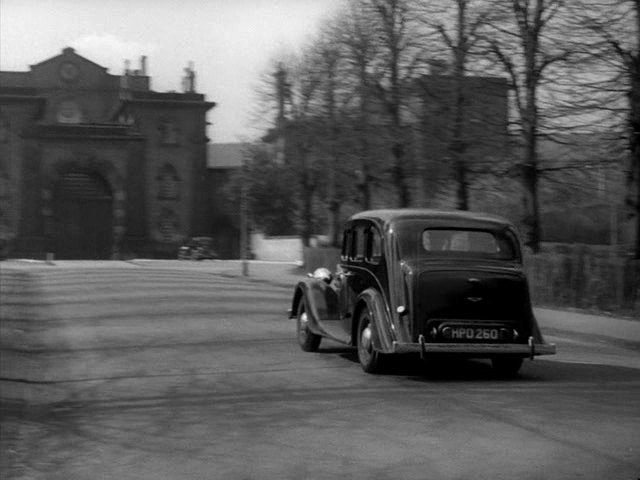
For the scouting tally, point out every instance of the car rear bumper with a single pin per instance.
(481, 349)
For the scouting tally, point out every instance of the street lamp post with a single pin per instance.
(244, 234)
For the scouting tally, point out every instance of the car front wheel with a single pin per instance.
(370, 359)
(308, 341)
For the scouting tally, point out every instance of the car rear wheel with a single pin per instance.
(308, 341)
(507, 366)
(370, 359)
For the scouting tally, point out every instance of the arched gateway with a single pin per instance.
(82, 216)
(81, 150)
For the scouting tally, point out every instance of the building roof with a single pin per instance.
(226, 155)
(69, 52)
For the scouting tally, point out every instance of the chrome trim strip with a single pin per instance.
(473, 348)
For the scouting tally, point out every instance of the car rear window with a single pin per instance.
(439, 241)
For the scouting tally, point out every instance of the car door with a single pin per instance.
(343, 284)
(361, 265)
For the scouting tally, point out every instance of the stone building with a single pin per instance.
(97, 166)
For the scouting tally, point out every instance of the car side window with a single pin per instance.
(344, 253)
(353, 239)
(360, 242)
(374, 245)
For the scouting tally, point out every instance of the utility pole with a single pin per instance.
(244, 234)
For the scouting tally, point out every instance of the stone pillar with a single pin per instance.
(119, 222)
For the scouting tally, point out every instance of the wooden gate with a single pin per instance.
(83, 216)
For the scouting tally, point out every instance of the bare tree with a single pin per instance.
(360, 51)
(525, 41)
(291, 88)
(400, 55)
(610, 42)
(456, 25)
(326, 57)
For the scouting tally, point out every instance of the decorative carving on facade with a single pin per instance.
(68, 111)
(168, 225)
(169, 133)
(168, 183)
(69, 72)
(126, 118)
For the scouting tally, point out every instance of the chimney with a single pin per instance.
(143, 65)
(189, 80)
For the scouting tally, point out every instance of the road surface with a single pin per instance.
(156, 372)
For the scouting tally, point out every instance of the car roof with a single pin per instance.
(440, 217)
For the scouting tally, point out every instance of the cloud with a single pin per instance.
(111, 52)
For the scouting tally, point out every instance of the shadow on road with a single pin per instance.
(455, 369)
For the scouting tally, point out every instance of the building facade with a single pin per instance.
(97, 166)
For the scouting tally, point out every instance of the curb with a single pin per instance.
(624, 343)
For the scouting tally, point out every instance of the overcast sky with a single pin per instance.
(229, 41)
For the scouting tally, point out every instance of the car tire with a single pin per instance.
(370, 359)
(507, 366)
(308, 341)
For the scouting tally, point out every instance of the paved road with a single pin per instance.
(153, 372)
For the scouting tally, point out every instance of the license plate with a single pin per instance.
(474, 333)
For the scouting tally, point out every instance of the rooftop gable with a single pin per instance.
(68, 54)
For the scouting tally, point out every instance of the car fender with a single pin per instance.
(382, 332)
(321, 303)
(534, 327)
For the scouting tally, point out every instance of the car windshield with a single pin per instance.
(441, 241)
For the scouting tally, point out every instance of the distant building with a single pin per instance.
(484, 133)
(95, 165)
(427, 117)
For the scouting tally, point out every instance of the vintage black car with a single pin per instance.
(424, 281)
(197, 248)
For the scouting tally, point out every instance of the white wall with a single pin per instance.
(284, 249)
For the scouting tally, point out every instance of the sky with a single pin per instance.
(230, 42)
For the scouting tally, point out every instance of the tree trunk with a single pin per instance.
(530, 131)
(634, 127)
(334, 223)
(530, 179)
(307, 206)
(364, 177)
(457, 145)
(364, 181)
(307, 225)
(399, 176)
(634, 120)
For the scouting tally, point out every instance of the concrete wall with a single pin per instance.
(282, 249)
